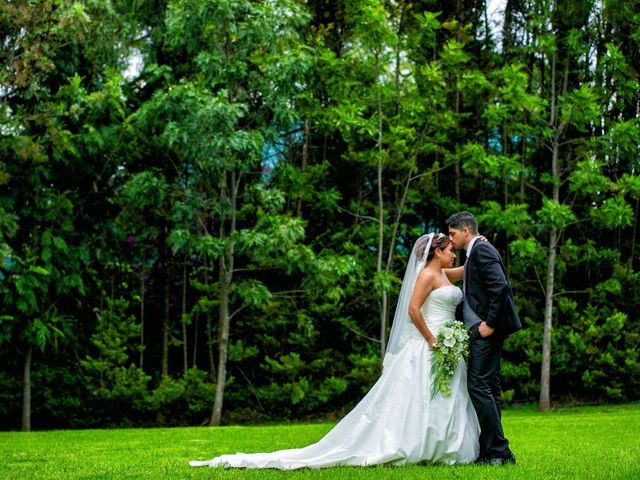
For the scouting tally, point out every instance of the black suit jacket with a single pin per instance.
(488, 291)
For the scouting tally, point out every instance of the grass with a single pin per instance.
(601, 442)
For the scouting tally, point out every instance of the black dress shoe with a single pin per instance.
(509, 459)
(482, 459)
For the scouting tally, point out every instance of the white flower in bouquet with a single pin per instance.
(449, 337)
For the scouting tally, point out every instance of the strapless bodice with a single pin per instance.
(440, 305)
(438, 309)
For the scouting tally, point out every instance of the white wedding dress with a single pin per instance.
(397, 422)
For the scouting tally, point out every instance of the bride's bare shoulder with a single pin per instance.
(427, 276)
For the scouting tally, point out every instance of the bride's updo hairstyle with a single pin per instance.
(440, 240)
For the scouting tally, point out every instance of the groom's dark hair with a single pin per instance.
(461, 220)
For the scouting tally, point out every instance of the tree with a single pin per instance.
(232, 95)
(561, 145)
(243, 200)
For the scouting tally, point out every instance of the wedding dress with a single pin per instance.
(397, 422)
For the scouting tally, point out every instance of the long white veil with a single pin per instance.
(401, 320)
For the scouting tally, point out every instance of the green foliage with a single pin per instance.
(588, 179)
(514, 220)
(553, 214)
(304, 143)
(175, 401)
(614, 213)
(113, 338)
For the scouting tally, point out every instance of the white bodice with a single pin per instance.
(439, 308)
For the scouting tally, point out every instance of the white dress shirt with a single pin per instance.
(471, 242)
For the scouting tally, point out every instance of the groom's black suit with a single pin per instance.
(488, 297)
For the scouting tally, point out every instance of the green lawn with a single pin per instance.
(578, 443)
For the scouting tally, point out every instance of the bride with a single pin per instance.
(398, 422)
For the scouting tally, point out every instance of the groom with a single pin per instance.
(489, 312)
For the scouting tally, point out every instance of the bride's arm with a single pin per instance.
(454, 274)
(424, 285)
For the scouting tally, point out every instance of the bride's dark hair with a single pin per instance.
(440, 240)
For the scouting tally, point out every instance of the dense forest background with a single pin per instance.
(206, 206)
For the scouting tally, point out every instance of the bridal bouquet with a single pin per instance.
(452, 345)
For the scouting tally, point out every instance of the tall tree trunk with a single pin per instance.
(460, 15)
(392, 243)
(633, 237)
(545, 376)
(384, 293)
(228, 191)
(554, 234)
(457, 164)
(487, 29)
(384, 309)
(398, 58)
(26, 392)
(165, 322)
(185, 346)
(522, 170)
(142, 292)
(212, 366)
(305, 161)
(196, 327)
(225, 279)
(223, 341)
